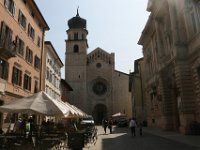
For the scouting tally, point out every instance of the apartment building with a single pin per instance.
(171, 48)
(22, 30)
(51, 71)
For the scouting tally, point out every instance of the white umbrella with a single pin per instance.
(119, 114)
(39, 103)
(72, 112)
(80, 112)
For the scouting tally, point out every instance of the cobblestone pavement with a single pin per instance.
(152, 139)
(121, 139)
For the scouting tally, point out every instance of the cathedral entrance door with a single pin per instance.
(99, 113)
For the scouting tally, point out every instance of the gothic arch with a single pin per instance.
(99, 113)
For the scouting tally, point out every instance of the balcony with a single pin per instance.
(7, 50)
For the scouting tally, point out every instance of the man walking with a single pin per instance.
(132, 125)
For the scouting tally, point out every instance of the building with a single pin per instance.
(22, 30)
(65, 91)
(98, 89)
(137, 91)
(171, 43)
(51, 71)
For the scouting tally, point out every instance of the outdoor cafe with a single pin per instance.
(42, 122)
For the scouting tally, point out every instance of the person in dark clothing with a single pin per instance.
(31, 122)
(105, 124)
(110, 123)
(140, 126)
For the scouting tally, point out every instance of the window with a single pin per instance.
(22, 19)
(83, 36)
(36, 88)
(27, 82)
(76, 48)
(31, 31)
(29, 55)
(47, 74)
(75, 36)
(3, 69)
(50, 76)
(193, 22)
(6, 36)
(69, 36)
(38, 41)
(98, 65)
(193, 18)
(10, 5)
(19, 46)
(17, 76)
(37, 62)
(24, 1)
(99, 88)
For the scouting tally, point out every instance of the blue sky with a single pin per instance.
(113, 25)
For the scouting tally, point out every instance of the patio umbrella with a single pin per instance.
(119, 114)
(39, 103)
(80, 112)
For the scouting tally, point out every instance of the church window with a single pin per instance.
(83, 36)
(76, 36)
(99, 88)
(76, 49)
(98, 65)
(193, 18)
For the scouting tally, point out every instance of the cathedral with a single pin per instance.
(98, 89)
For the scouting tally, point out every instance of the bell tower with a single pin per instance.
(76, 60)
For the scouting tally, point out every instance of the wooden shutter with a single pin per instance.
(2, 36)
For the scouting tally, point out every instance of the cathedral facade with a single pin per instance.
(98, 89)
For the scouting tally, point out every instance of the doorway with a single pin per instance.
(99, 113)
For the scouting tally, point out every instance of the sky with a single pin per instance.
(113, 25)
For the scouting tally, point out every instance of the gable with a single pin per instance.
(100, 54)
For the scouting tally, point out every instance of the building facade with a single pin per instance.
(22, 29)
(137, 91)
(65, 91)
(171, 43)
(98, 89)
(51, 71)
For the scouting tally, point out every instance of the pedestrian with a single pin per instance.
(17, 125)
(105, 124)
(132, 125)
(31, 125)
(110, 123)
(140, 126)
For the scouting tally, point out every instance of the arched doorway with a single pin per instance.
(99, 112)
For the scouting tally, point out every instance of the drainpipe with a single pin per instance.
(41, 61)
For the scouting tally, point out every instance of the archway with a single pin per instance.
(99, 112)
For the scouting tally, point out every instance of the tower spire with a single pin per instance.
(77, 14)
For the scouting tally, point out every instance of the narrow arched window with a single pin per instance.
(76, 49)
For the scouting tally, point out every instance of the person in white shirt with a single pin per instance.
(132, 125)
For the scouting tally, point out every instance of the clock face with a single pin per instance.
(99, 88)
